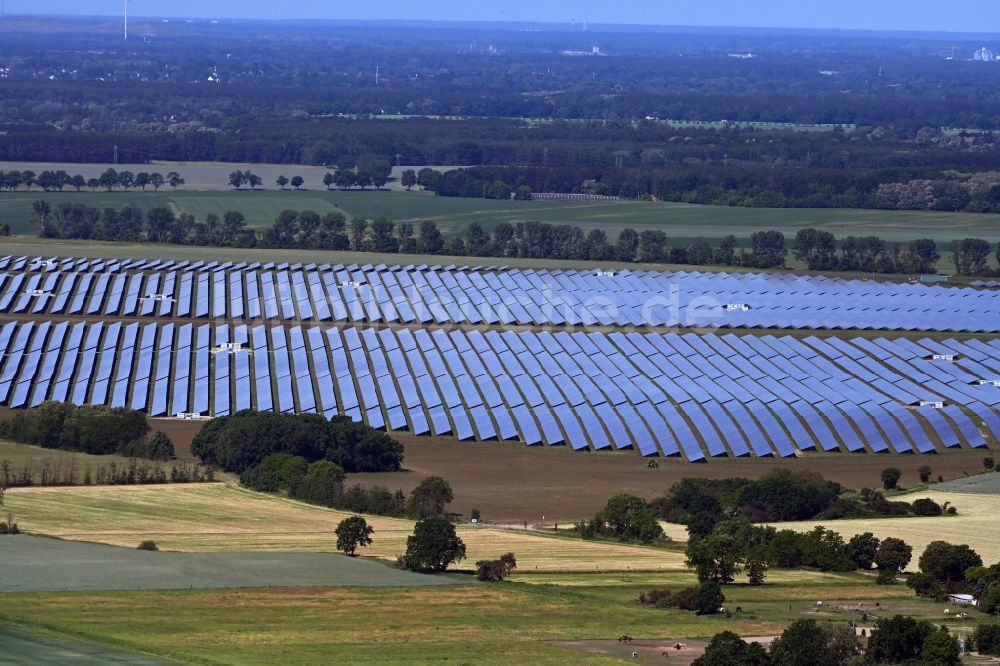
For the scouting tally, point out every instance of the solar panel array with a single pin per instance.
(483, 296)
(693, 396)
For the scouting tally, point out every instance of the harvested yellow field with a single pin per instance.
(975, 525)
(224, 517)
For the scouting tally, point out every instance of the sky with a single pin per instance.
(934, 15)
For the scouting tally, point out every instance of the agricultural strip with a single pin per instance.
(219, 517)
(37, 564)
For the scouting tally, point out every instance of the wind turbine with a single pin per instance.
(126, 19)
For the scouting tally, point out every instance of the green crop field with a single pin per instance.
(678, 221)
(421, 625)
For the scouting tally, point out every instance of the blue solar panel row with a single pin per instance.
(500, 296)
(671, 395)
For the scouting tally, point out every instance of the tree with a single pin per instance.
(890, 477)
(809, 643)
(433, 545)
(327, 180)
(708, 599)
(126, 179)
(353, 532)
(160, 447)
(522, 193)
(627, 244)
(947, 563)
(344, 178)
(924, 472)
(430, 240)
(940, 649)
(767, 249)
(282, 182)
(496, 570)
(156, 180)
(142, 180)
(630, 519)
(42, 210)
(428, 178)
(728, 649)
(297, 182)
(898, 639)
(78, 182)
(358, 228)
(989, 462)
(429, 498)
(891, 558)
(323, 484)
(408, 179)
(862, 549)
(174, 180)
(407, 243)
(383, 239)
(109, 179)
(93, 183)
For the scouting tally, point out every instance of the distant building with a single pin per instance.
(595, 51)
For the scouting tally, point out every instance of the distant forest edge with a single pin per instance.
(924, 188)
(729, 118)
(306, 229)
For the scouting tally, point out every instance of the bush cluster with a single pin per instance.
(239, 442)
(91, 429)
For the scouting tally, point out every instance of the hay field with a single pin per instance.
(975, 525)
(221, 517)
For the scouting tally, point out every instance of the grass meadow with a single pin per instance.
(510, 623)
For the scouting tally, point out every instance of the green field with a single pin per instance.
(36, 564)
(679, 221)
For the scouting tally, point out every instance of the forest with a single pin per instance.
(713, 116)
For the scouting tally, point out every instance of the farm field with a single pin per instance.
(678, 221)
(38, 564)
(975, 525)
(219, 517)
(419, 625)
(22, 648)
(566, 487)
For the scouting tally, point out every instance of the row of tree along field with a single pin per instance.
(818, 249)
(110, 179)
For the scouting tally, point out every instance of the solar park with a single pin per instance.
(591, 360)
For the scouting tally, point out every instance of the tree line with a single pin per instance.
(110, 179)
(239, 442)
(94, 429)
(306, 229)
(134, 471)
(747, 186)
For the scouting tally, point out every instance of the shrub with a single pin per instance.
(890, 477)
(924, 472)
(926, 507)
(9, 526)
(147, 545)
(496, 570)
